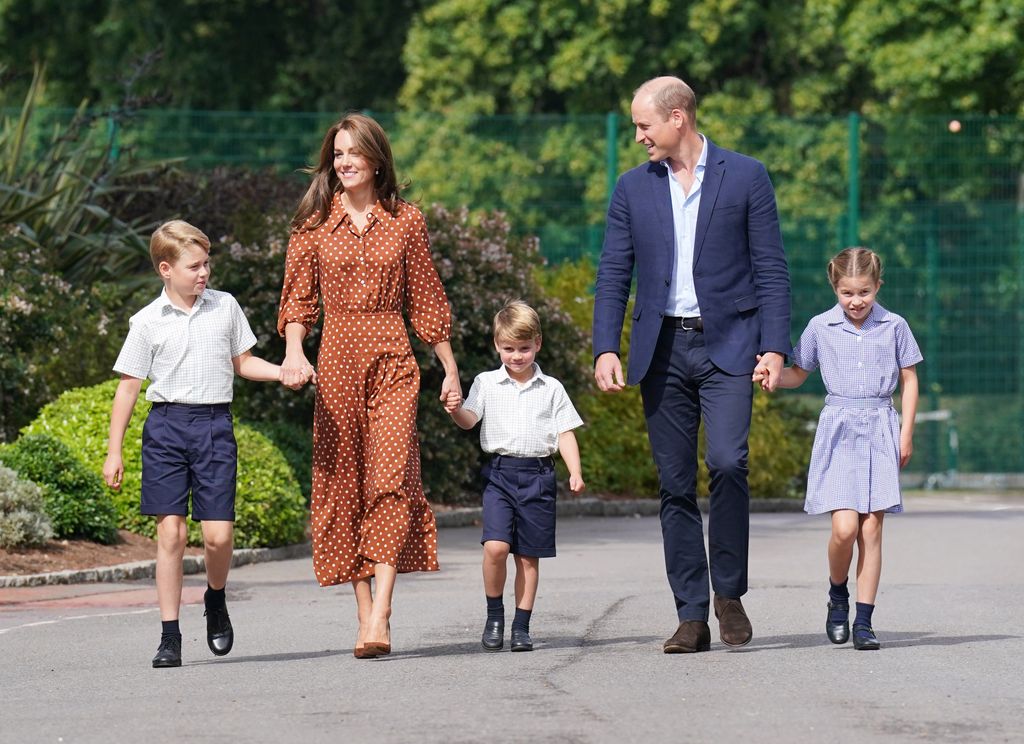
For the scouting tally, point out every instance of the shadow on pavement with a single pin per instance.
(271, 657)
(540, 645)
(889, 640)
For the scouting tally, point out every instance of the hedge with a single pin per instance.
(270, 509)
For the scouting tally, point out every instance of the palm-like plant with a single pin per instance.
(53, 188)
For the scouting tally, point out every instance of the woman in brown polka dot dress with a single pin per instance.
(364, 252)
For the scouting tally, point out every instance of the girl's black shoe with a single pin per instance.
(864, 638)
(837, 622)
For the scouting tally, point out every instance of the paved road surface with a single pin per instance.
(74, 661)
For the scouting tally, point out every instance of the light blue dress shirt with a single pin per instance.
(682, 297)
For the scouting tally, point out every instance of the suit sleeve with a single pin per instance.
(614, 275)
(768, 261)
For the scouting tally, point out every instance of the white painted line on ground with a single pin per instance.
(77, 617)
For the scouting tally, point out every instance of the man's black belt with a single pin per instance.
(687, 324)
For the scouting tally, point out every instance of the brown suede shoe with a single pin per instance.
(690, 637)
(733, 626)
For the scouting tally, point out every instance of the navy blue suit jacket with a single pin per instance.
(739, 267)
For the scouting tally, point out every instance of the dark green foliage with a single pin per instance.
(77, 502)
(270, 509)
(23, 520)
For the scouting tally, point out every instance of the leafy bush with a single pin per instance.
(269, 507)
(57, 244)
(614, 447)
(76, 501)
(23, 520)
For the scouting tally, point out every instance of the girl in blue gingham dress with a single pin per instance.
(863, 351)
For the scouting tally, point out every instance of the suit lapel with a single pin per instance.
(661, 197)
(714, 171)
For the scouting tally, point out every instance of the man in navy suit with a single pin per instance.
(699, 225)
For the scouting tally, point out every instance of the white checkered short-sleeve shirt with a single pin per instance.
(186, 355)
(521, 420)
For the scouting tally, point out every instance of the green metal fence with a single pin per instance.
(942, 201)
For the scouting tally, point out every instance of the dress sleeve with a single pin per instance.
(426, 304)
(908, 353)
(300, 293)
(805, 355)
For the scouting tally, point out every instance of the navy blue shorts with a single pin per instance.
(519, 504)
(189, 449)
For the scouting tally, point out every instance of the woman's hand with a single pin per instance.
(296, 370)
(451, 392)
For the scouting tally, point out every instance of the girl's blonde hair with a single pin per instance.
(854, 262)
(171, 239)
(516, 321)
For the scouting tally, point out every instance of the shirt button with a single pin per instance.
(860, 364)
(858, 339)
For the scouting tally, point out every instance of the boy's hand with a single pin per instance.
(576, 484)
(113, 471)
(452, 401)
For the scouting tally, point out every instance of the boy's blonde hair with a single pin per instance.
(516, 321)
(854, 262)
(171, 239)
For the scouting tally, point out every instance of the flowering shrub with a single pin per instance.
(23, 520)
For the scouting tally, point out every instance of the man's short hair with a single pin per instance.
(171, 239)
(668, 93)
(516, 321)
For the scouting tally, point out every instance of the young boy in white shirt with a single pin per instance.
(189, 342)
(526, 417)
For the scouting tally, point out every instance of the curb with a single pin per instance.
(460, 517)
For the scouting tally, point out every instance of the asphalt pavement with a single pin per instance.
(74, 660)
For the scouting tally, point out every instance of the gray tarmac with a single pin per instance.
(74, 660)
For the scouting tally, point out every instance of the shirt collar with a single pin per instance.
(166, 304)
(338, 213)
(702, 161)
(536, 379)
(836, 316)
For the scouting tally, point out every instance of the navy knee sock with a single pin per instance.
(169, 628)
(863, 615)
(522, 620)
(495, 609)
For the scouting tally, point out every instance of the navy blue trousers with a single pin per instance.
(681, 388)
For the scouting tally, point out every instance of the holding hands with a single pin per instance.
(296, 371)
(451, 393)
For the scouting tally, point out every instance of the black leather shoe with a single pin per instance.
(521, 640)
(690, 637)
(836, 630)
(494, 635)
(220, 636)
(169, 653)
(864, 638)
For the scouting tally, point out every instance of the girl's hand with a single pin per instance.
(906, 449)
(576, 484)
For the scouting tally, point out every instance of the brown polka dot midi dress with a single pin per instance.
(367, 504)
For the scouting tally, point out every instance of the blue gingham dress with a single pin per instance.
(855, 462)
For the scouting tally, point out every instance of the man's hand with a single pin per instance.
(608, 373)
(769, 370)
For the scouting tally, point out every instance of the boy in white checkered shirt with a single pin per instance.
(526, 417)
(189, 342)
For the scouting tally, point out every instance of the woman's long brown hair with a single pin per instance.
(371, 142)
